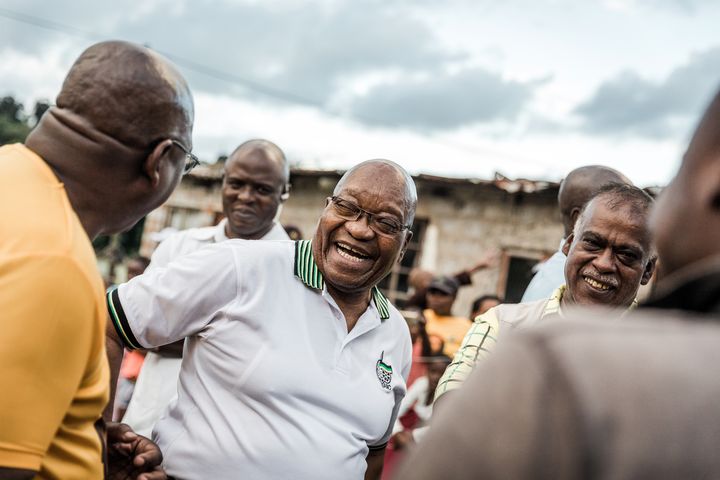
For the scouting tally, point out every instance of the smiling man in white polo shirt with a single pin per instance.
(295, 363)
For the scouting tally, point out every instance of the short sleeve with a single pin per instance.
(49, 316)
(166, 304)
(478, 342)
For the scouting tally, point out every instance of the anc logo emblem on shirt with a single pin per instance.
(384, 372)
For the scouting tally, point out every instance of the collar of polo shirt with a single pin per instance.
(307, 270)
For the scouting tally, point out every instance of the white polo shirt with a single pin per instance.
(192, 239)
(156, 386)
(272, 384)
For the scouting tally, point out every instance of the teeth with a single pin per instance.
(350, 253)
(348, 256)
(598, 285)
(349, 248)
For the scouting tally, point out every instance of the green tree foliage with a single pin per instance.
(14, 123)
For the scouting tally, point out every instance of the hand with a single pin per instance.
(403, 439)
(132, 456)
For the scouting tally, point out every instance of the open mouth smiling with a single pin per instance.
(351, 253)
(598, 285)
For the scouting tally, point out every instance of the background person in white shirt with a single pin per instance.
(295, 363)
(255, 184)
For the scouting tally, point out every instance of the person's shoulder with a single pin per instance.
(512, 309)
(182, 243)
(519, 313)
(199, 234)
(277, 232)
(267, 253)
(593, 332)
(268, 247)
(652, 356)
(395, 320)
(37, 217)
(66, 282)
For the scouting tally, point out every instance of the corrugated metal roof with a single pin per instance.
(214, 172)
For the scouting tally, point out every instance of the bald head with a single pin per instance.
(261, 147)
(578, 188)
(387, 169)
(118, 136)
(129, 93)
(255, 184)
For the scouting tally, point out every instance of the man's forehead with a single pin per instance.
(621, 230)
(254, 165)
(372, 177)
(386, 199)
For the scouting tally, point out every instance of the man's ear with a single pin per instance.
(715, 176)
(566, 245)
(285, 193)
(406, 242)
(574, 213)
(153, 163)
(649, 270)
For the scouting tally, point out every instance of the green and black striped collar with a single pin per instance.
(307, 270)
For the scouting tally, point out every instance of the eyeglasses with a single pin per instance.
(382, 224)
(191, 160)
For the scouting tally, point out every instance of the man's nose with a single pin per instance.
(246, 193)
(360, 227)
(605, 261)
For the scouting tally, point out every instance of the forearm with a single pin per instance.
(114, 348)
(375, 460)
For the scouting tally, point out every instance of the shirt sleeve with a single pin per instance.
(163, 254)
(478, 342)
(49, 315)
(166, 304)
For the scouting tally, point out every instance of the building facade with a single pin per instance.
(457, 220)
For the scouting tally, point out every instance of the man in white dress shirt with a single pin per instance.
(255, 184)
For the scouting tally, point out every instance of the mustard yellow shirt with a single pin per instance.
(53, 370)
(451, 329)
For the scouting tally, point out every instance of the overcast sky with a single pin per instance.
(530, 89)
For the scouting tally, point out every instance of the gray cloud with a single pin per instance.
(311, 50)
(445, 101)
(631, 104)
(305, 48)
